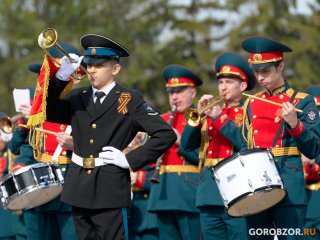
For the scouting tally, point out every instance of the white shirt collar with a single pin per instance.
(105, 90)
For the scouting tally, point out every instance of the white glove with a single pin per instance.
(111, 155)
(68, 67)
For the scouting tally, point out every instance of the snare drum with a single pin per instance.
(249, 182)
(31, 186)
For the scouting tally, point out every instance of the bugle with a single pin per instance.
(47, 39)
(156, 173)
(194, 116)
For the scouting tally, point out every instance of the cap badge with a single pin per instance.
(174, 80)
(226, 69)
(257, 57)
(93, 51)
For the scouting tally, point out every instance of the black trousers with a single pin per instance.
(96, 224)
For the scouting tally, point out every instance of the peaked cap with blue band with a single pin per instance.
(100, 49)
(231, 64)
(315, 92)
(177, 77)
(264, 52)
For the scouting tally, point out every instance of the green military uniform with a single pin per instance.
(142, 224)
(173, 199)
(223, 140)
(12, 223)
(260, 127)
(19, 146)
(312, 176)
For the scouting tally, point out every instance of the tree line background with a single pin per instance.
(192, 33)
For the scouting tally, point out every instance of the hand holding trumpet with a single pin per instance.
(214, 111)
(68, 67)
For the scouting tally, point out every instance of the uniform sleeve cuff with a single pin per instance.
(220, 121)
(141, 178)
(297, 131)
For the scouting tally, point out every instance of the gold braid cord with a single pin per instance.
(35, 141)
(246, 124)
(203, 145)
(123, 100)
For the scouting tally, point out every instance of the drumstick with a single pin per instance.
(268, 101)
(39, 129)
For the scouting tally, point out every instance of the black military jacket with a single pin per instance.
(106, 186)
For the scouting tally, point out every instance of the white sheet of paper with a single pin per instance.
(21, 96)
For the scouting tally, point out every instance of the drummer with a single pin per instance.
(20, 147)
(233, 76)
(12, 223)
(287, 132)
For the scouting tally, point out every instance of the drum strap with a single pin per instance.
(282, 122)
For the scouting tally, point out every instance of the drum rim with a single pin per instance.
(31, 189)
(237, 154)
(242, 196)
(25, 169)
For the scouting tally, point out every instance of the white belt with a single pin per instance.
(87, 163)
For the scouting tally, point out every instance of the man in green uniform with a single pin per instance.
(173, 198)
(221, 124)
(284, 130)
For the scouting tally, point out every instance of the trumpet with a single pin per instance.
(7, 124)
(194, 116)
(47, 39)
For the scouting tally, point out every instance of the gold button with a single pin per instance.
(228, 151)
(277, 145)
(64, 153)
(281, 96)
(210, 128)
(179, 173)
(62, 128)
(252, 100)
(258, 146)
(276, 161)
(91, 156)
(236, 109)
(63, 169)
(255, 131)
(210, 137)
(254, 116)
(94, 125)
(263, 96)
(210, 152)
(145, 196)
(91, 141)
(89, 171)
(277, 119)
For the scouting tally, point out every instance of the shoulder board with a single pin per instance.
(300, 95)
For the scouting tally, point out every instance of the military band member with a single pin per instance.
(173, 198)
(12, 224)
(287, 132)
(312, 177)
(221, 122)
(104, 117)
(20, 147)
